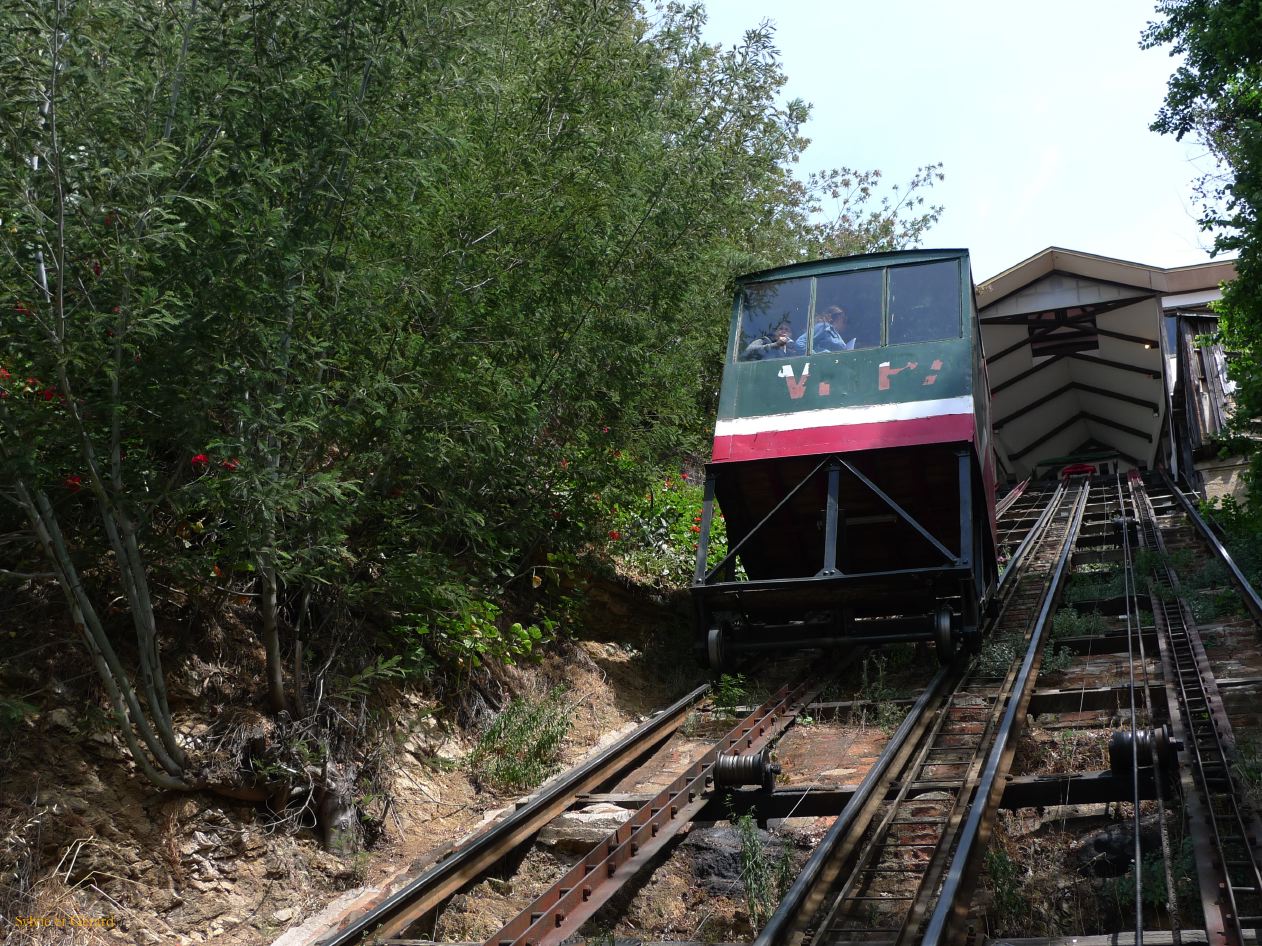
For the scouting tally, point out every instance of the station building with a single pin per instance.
(1108, 362)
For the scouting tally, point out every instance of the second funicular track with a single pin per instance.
(891, 867)
(899, 863)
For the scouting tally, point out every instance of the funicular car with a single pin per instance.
(851, 460)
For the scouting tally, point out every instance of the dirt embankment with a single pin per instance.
(92, 853)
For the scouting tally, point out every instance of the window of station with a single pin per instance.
(773, 317)
(924, 302)
(847, 311)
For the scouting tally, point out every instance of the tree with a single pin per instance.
(1216, 95)
(358, 326)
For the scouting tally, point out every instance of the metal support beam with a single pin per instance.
(830, 520)
(966, 507)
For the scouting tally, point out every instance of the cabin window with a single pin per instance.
(858, 296)
(924, 302)
(773, 316)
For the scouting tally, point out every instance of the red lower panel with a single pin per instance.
(947, 428)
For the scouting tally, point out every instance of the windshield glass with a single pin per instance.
(847, 311)
(924, 302)
(773, 315)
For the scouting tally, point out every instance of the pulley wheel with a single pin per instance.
(1150, 743)
(942, 638)
(716, 649)
(736, 771)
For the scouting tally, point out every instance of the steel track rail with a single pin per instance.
(1225, 832)
(914, 737)
(1248, 594)
(558, 912)
(393, 915)
(950, 908)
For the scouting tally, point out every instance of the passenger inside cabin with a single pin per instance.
(830, 332)
(777, 343)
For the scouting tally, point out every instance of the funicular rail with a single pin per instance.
(879, 873)
(899, 863)
(426, 892)
(1226, 832)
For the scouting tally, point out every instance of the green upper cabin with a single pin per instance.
(858, 353)
(902, 310)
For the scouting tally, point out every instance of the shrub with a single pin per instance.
(1069, 622)
(522, 746)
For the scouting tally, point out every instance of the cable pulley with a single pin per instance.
(736, 771)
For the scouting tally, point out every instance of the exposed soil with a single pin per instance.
(91, 843)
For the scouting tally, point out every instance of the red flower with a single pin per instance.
(565, 464)
(605, 430)
(684, 477)
(4, 375)
(49, 393)
(21, 309)
(696, 518)
(200, 462)
(73, 482)
(231, 466)
(696, 528)
(615, 534)
(96, 267)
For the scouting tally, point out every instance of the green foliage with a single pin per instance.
(471, 637)
(876, 696)
(13, 711)
(1241, 528)
(1216, 94)
(1207, 607)
(1069, 622)
(1246, 767)
(998, 653)
(522, 745)
(1056, 659)
(1096, 587)
(733, 691)
(371, 321)
(656, 534)
(360, 684)
(1152, 874)
(1008, 907)
(765, 881)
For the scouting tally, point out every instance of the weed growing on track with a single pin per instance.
(1056, 659)
(1008, 906)
(766, 882)
(1069, 622)
(522, 746)
(874, 703)
(1247, 769)
(998, 653)
(1097, 587)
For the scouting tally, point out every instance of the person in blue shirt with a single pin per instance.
(830, 332)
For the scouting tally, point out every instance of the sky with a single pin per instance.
(1038, 112)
